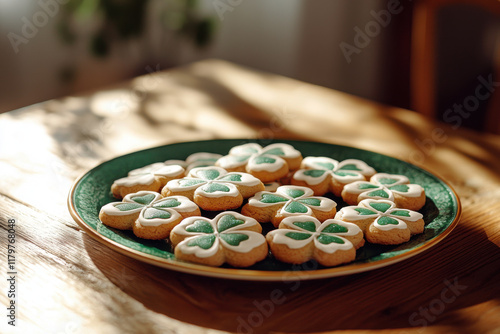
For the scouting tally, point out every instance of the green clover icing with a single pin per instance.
(145, 199)
(382, 207)
(294, 193)
(214, 187)
(310, 201)
(200, 226)
(203, 241)
(190, 182)
(365, 212)
(366, 185)
(227, 222)
(234, 239)
(400, 187)
(295, 207)
(378, 193)
(350, 167)
(335, 228)
(274, 151)
(308, 226)
(152, 213)
(262, 159)
(328, 239)
(342, 173)
(387, 221)
(209, 174)
(168, 203)
(401, 213)
(272, 198)
(314, 172)
(231, 178)
(325, 165)
(298, 235)
(128, 206)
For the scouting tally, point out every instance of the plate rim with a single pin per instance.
(249, 274)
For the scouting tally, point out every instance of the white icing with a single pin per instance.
(175, 185)
(255, 239)
(174, 215)
(349, 213)
(401, 179)
(147, 169)
(289, 150)
(134, 180)
(279, 235)
(169, 171)
(312, 163)
(366, 170)
(181, 163)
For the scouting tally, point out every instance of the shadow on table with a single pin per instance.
(422, 291)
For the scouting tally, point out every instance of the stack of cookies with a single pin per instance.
(212, 208)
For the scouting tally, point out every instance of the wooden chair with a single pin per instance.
(423, 59)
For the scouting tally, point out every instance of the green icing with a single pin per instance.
(365, 212)
(295, 207)
(264, 160)
(203, 241)
(342, 173)
(152, 213)
(233, 239)
(128, 206)
(146, 199)
(382, 207)
(231, 178)
(314, 172)
(240, 158)
(308, 226)
(209, 174)
(401, 213)
(335, 228)
(200, 226)
(167, 203)
(298, 235)
(294, 193)
(227, 222)
(387, 180)
(367, 185)
(387, 221)
(271, 198)
(214, 187)
(329, 239)
(379, 193)
(275, 151)
(190, 182)
(400, 187)
(325, 165)
(349, 167)
(310, 201)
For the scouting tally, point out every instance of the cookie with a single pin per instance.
(268, 164)
(150, 178)
(382, 222)
(214, 189)
(195, 160)
(392, 187)
(228, 238)
(323, 174)
(148, 214)
(303, 238)
(288, 201)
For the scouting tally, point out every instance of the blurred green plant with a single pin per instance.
(125, 19)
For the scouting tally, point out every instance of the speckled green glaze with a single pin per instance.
(93, 191)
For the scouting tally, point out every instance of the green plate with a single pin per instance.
(91, 191)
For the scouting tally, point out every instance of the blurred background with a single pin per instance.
(380, 50)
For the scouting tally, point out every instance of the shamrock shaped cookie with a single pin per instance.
(323, 174)
(288, 201)
(151, 177)
(392, 187)
(302, 238)
(195, 160)
(148, 214)
(214, 189)
(268, 164)
(382, 222)
(228, 238)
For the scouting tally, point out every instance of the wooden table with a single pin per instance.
(69, 283)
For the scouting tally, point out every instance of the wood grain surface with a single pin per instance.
(69, 283)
